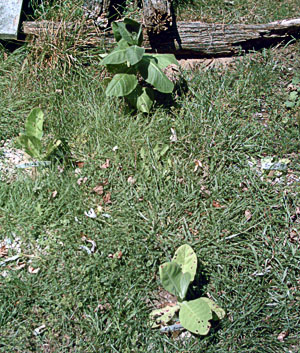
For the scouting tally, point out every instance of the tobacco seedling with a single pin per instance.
(176, 277)
(31, 140)
(137, 76)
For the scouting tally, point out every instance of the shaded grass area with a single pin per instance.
(100, 302)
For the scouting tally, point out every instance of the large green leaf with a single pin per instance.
(186, 258)
(134, 54)
(163, 316)
(32, 145)
(145, 100)
(34, 123)
(220, 313)
(129, 30)
(135, 29)
(141, 98)
(121, 85)
(173, 280)
(121, 69)
(194, 315)
(120, 31)
(153, 75)
(118, 56)
(122, 44)
(164, 60)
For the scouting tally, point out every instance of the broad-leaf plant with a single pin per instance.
(136, 75)
(176, 277)
(31, 139)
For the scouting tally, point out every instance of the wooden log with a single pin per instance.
(197, 39)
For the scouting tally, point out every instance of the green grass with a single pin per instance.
(236, 11)
(250, 268)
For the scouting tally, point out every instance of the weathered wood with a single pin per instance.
(103, 12)
(98, 11)
(157, 15)
(198, 39)
(10, 11)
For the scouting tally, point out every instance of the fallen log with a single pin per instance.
(195, 39)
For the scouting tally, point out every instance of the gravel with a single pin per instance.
(10, 158)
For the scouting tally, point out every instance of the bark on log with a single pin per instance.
(196, 39)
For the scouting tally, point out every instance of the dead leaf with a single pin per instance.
(243, 186)
(294, 236)
(106, 198)
(248, 215)
(216, 204)
(33, 270)
(82, 180)
(19, 267)
(118, 255)
(282, 335)
(103, 307)
(198, 164)
(98, 189)
(54, 193)
(106, 164)
(204, 191)
(3, 251)
(79, 164)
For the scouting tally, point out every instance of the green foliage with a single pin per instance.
(137, 76)
(294, 96)
(176, 276)
(186, 258)
(194, 315)
(31, 140)
(174, 280)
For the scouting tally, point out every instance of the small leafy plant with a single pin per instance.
(176, 277)
(31, 140)
(137, 76)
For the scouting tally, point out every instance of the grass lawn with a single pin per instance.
(207, 190)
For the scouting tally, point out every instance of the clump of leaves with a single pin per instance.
(137, 76)
(176, 277)
(31, 140)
